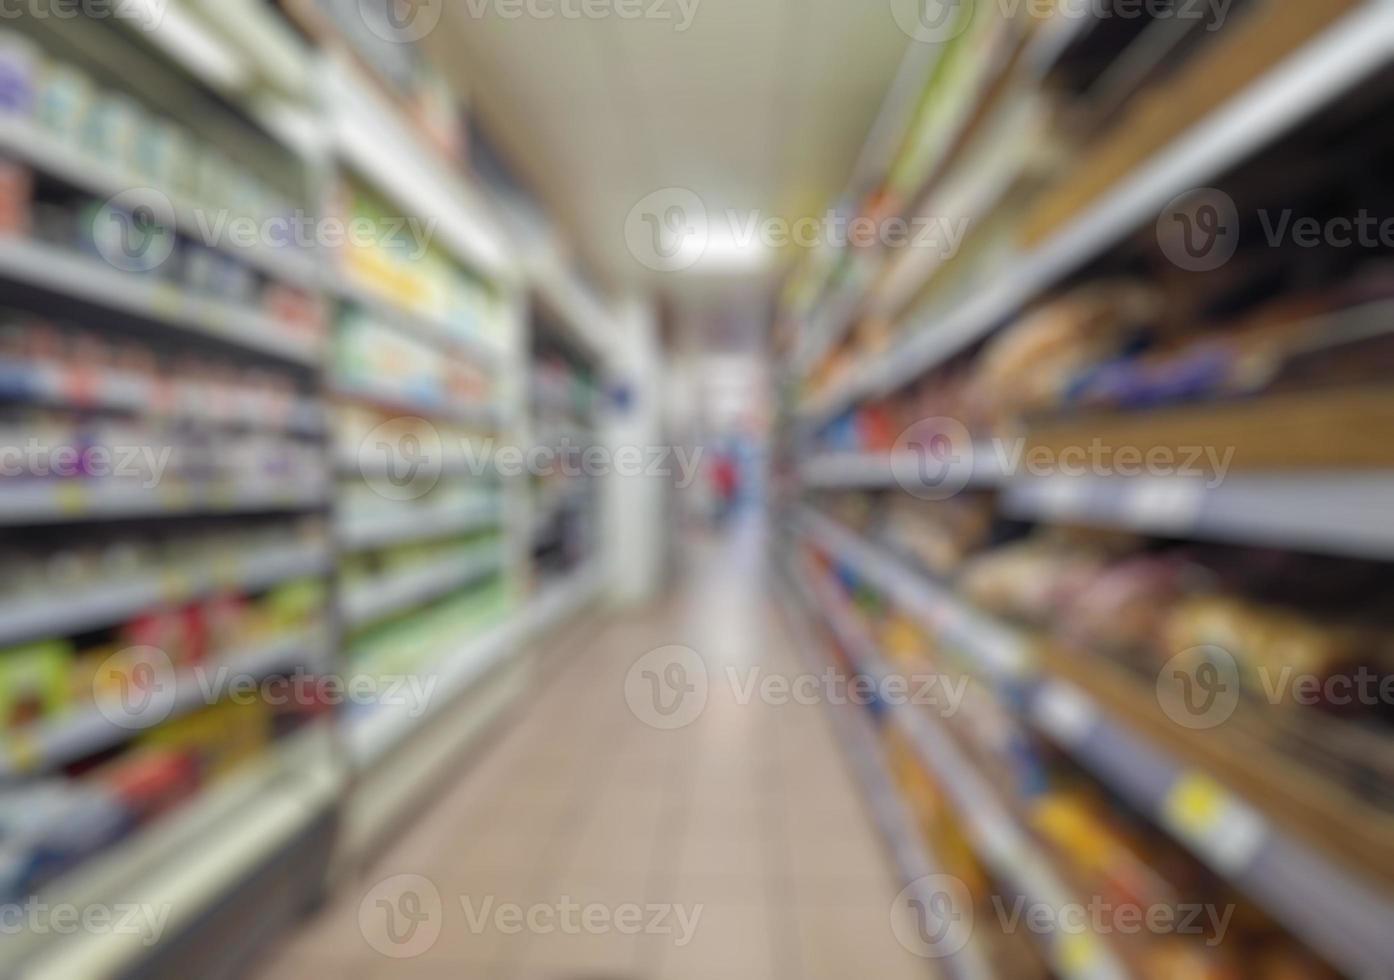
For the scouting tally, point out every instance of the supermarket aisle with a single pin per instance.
(741, 837)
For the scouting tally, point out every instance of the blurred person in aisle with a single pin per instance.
(725, 484)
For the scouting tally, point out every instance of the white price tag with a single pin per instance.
(1065, 712)
(1061, 496)
(1226, 832)
(1172, 504)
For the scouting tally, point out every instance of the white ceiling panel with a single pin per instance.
(759, 104)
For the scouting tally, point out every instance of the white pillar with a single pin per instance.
(634, 518)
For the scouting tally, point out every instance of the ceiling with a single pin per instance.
(757, 104)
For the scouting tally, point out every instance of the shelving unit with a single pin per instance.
(239, 82)
(61, 274)
(255, 817)
(911, 855)
(994, 831)
(67, 739)
(409, 590)
(1328, 903)
(1284, 806)
(566, 375)
(98, 604)
(432, 522)
(1330, 65)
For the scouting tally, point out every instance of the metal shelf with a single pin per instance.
(421, 326)
(1348, 513)
(184, 862)
(486, 415)
(912, 855)
(47, 153)
(65, 739)
(984, 817)
(29, 617)
(373, 733)
(148, 298)
(1329, 65)
(371, 137)
(119, 391)
(1338, 913)
(402, 591)
(422, 524)
(79, 501)
(980, 468)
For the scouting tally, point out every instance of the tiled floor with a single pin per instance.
(608, 831)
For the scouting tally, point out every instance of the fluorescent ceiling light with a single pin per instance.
(723, 251)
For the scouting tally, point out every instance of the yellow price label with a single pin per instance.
(222, 496)
(1196, 802)
(175, 586)
(225, 571)
(174, 496)
(166, 300)
(70, 499)
(24, 751)
(1221, 828)
(1076, 952)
